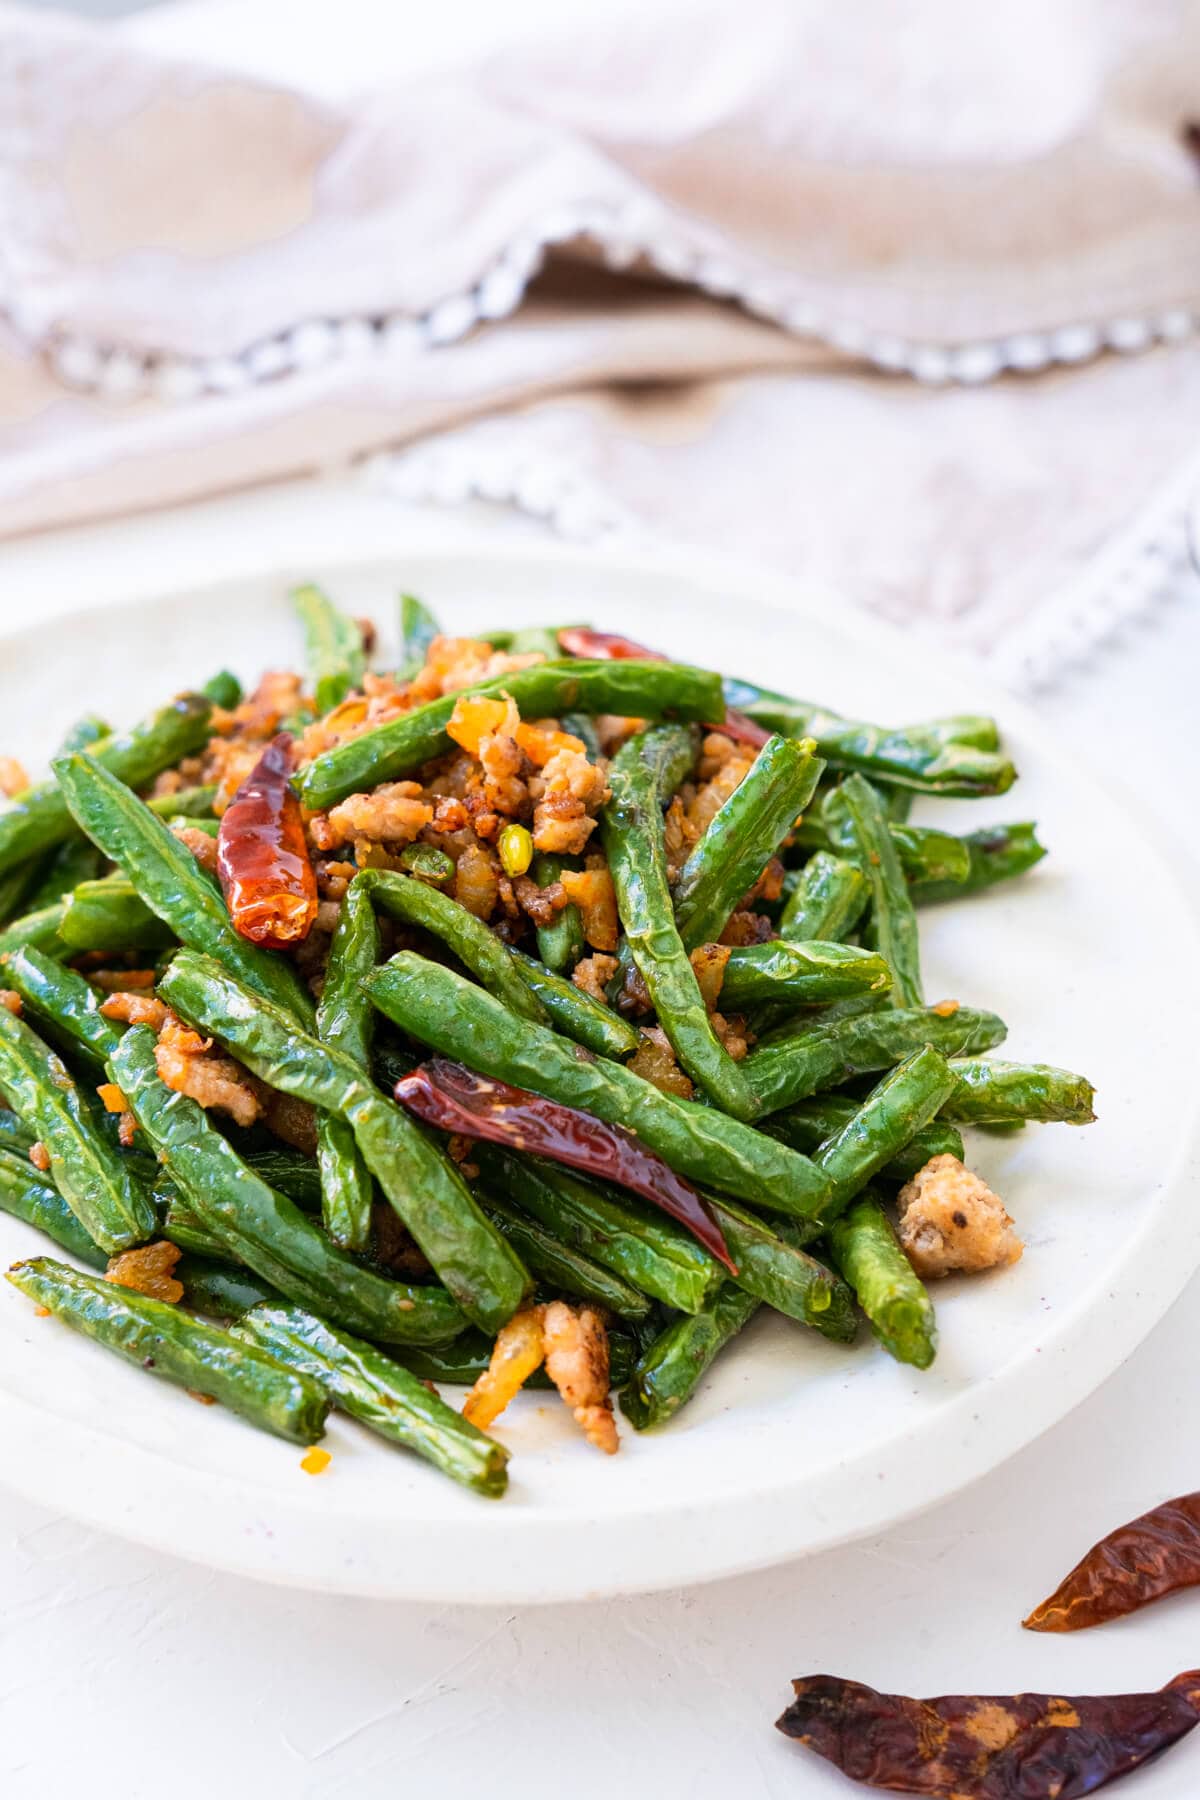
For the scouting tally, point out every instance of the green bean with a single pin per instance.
(103, 1190)
(801, 973)
(41, 930)
(439, 1008)
(927, 757)
(899, 1106)
(184, 803)
(670, 1370)
(632, 827)
(806, 1125)
(784, 1275)
(177, 1348)
(334, 644)
(345, 1019)
(558, 1266)
(561, 943)
(467, 937)
(178, 822)
(89, 729)
(478, 1267)
(28, 1196)
(63, 870)
(536, 640)
(39, 818)
(294, 1174)
(64, 1001)
(856, 822)
(576, 1014)
(994, 854)
(263, 1229)
(224, 690)
(743, 837)
(638, 689)
(1004, 1093)
(427, 863)
(16, 886)
(110, 915)
(418, 628)
(583, 726)
(898, 804)
(380, 1394)
(171, 882)
(824, 1054)
(864, 1247)
(184, 1226)
(925, 854)
(14, 1132)
(219, 1289)
(645, 1248)
(827, 902)
(973, 729)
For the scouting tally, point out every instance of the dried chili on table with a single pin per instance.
(262, 857)
(450, 1096)
(1153, 1555)
(986, 1747)
(577, 640)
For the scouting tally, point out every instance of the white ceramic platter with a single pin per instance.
(792, 1445)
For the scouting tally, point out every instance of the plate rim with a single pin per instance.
(137, 1502)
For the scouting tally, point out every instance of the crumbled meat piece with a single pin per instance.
(333, 878)
(121, 981)
(502, 761)
(634, 996)
(591, 890)
(516, 1353)
(327, 915)
(449, 813)
(541, 904)
(111, 1098)
(715, 751)
(708, 965)
(612, 729)
(732, 1033)
(39, 1156)
(654, 1060)
(592, 975)
(711, 795)
(576, 1351)
(678, 837)
(135, 1009)
(951, 1220)
(567, 794)
(187, 1065)
(747, 928)
(477, 881)
(126, 1130)
(459, 1147)
(453, 663)
(148, 1270)
(769, 885)
(202, 846)
(13, 779)
(10, 1002)
(393, 813)
(393, 1246)
(291, 1120)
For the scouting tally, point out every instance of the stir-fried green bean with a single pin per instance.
(422, 1184)
(345, 1020)
(561, 942)
(824, 1054)
(177, 1348)
(576, 1014)
(671, 1369)
(858, 826)
(807, 1125)
(783, 1275)
(219, 1289)
(827, 902)
(477, 948)
(111, 915)
(62, 872)
(447, 1013)
(559, 1266)
(632, 826)
(418, 628)
(641, 690)
(801, 973)
(1002, 1093)
(26, 1195)
(334, 643)
(63, 1002)
(743, 837)
(42, 930)
(995, 854)
(863, 1247)
(925, 854)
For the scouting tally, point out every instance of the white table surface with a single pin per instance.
(125, 1673)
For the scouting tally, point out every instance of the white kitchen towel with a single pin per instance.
(774, 232)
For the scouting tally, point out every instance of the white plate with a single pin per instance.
(792, 1445)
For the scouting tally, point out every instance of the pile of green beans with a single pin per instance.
(789, 922)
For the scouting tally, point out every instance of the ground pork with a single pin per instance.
(135, 1009)
(477, 881)
(576, 1351)
(187, 1065)
(592, 975)
(291, 1120)
(148, 1270)
(591, 890)
(951, 1220)
(747, 928)
(566, 796)
(202, 846)
(39, 1156)
(732, 1033)
(10, 1002)
(541, 904)
(708, 965)
(654, 1060)
(711, 795)
(393, 813)
(454, 663)
(679, 835)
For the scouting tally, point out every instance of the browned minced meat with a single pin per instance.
(291, 1120)
(567, 793)
(634, 996)
(238, 739)
(333, 878)
(679, 835)
(591, 890)
(118, 981)
(747, 928)
(10, 1002)
(951, 1220)
(393, 813)
(148, 1270)
(39, 1156)
(187, 1065)
(541, 904)
(393, 1246)
(722, 767)
(477, 881)
(577, 1363)
(13, 779)
(135, 1009)
(733, 1034)
(654, 1060)
(592, 975)
(454, 663)
(502, 761)
(708, 965)
(202, 846)
(769, 885)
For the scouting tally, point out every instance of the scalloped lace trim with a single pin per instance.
(623, 238)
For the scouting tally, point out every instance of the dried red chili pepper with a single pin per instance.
(262, 858)
(985, 1747)
(1153, 1555)
(576, 640)
(450, 1096)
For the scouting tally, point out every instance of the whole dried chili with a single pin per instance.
(975, 1747)
(262, 858)
(1153, 1555)
(450, 1096)
(576, 640)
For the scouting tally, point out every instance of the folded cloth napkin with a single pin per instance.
(744, 271)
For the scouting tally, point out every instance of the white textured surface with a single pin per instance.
(232, 1686)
